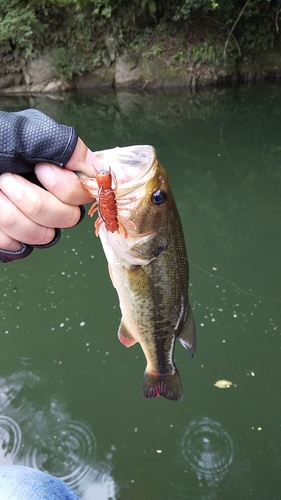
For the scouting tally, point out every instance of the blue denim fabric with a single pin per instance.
(23, 483)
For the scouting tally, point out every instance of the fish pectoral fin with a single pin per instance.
(168, 386)
(125, 337)
(139, 280)
(187, 336)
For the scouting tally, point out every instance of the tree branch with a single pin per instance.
(233, 28)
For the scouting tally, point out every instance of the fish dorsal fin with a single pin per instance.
(187, 336)
(125, 337)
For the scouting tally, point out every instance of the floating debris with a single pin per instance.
(223, 384)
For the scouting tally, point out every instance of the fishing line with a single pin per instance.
(271, 299)
(234, 284)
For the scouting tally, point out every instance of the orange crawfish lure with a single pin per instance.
(106, 203)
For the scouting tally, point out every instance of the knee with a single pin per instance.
(20, 482)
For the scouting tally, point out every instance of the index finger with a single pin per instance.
(62, 183)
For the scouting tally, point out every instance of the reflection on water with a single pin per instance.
(10, 440)
(64, 449)
(208, 450)
(47, 439)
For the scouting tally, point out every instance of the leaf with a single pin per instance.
(223, 384)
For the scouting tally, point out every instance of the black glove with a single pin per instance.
(26, 138)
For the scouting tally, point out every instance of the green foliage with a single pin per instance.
(76, 29)
(64, 63)
(187, 7)
(206, 54)
(18, 34)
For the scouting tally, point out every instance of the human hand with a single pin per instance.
(30, 214)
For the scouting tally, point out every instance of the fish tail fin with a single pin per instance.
(168, 386)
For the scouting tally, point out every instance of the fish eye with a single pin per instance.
(159, 197)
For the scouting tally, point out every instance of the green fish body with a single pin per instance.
(149, 268)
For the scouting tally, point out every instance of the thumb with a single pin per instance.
(84, 160)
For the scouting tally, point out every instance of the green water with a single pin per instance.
(70, 393)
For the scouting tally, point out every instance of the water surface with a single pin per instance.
(70, 393)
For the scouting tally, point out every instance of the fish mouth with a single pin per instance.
(132, 166)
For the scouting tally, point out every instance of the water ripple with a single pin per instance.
(64, 448)
(208, 450)
(38, 432)
(13, 389)
(10, 440)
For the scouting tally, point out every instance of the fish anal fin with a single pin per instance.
(168, 386)
(187, 336)
(125, 337)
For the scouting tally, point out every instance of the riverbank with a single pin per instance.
(55, 45)
(129, 70)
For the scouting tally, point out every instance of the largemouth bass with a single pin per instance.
(148, 265)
